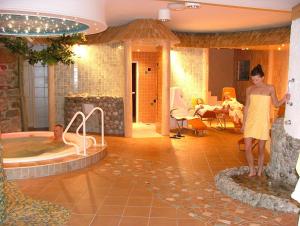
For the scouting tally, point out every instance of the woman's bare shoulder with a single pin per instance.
(270, 87)
(249, 88)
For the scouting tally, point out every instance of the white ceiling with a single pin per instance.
(212, 16)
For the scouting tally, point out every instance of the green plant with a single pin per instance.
(57, 50)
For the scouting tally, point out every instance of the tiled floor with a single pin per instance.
(156, 182)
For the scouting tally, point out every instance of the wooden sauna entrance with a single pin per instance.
(144, 87)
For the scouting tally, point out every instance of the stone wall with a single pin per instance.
(113, 108)
(284, 155)
(10, 106)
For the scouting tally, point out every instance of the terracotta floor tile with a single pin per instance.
(106, 221)
(139, 201)
(160, 203)
(115, 200)
(84, 209)
(170, 180)
(163, 212)
(110, 210)
(162, 222)
(134, 221)
(136, 211)
(80, 220)
(189, 222)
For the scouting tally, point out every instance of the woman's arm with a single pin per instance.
(277, 103)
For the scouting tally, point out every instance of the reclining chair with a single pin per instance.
(181, 113)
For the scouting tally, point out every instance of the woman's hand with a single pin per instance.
(287, 97)
(242, 129)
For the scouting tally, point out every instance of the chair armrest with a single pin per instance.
(171, 112)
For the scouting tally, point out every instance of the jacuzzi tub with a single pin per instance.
(35, 146)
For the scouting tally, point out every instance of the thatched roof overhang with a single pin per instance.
(141, 30)
(241, 39)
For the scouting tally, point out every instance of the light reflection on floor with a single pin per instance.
(143, 130)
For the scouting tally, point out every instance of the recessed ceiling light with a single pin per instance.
(164, 14)
(192, 5)
(176, 6)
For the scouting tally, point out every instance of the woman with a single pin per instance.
(257, 117)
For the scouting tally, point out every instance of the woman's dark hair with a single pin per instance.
(257, 70)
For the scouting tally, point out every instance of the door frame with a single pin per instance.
(136, 91)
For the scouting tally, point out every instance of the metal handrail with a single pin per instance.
(102, 125)
(84, 133)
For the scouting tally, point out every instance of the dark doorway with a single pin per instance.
(134, 72)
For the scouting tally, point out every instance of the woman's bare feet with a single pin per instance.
(252, 173)
(259, 172)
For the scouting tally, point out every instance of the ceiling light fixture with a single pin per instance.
(164, 14)
(176, 6)
(192, 5)
(51, 17)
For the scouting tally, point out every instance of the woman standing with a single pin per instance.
(257, 117)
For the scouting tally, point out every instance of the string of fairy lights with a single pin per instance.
(36, 25)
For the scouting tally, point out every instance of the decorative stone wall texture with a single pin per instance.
(3, 202)
(10, 107)
(100, 71)
(284, 155)
(113, 108)
(187, 71)
(228, 186)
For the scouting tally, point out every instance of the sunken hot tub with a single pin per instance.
(34, 154)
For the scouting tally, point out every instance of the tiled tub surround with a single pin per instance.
(51, 166)
(113, 108)
(280, 170)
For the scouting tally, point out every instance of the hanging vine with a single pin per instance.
(58, 49)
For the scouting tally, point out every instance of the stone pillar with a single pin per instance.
(128, 91)
(292, 120)
(284, 155)
(165, 105)
(51, 97)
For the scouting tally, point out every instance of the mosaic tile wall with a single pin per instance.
(99, 72)
(10, 105)
(187, 71)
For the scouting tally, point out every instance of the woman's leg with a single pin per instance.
(249, 156)
(261, 156)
